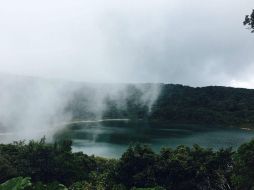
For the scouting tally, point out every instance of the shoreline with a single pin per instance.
(95, 121)
(246, 129)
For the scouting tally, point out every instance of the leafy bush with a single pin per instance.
(18, 183)
(182, 168)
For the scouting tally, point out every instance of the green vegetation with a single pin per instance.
(184, 104)
(16, 183)
(176, 103)
(54, 166)
(212, 105)
(249, 21)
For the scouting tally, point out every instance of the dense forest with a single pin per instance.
(180, 104)
(214, 104)
(148, 101)
(42, 166)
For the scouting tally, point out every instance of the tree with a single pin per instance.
(243, 177)
(137, 167)
(249, 21)
(7, 171)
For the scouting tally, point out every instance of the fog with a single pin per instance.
(49, 49)
(35, 107)
(197, 42)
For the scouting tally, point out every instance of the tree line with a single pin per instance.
(184, 104)
(39, 165)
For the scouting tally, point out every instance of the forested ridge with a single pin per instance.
(213, 104)
(42, 166)
(149, 101)
(180, 104)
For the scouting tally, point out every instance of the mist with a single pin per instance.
(35, 107)
(195, 43)
(61, 46)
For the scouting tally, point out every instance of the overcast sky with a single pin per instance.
(192, 42)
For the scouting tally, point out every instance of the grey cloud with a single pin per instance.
(195, 42)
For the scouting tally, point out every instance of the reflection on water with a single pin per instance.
(111, 138)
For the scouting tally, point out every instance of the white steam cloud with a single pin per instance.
(32, 107)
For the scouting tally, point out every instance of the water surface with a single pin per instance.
(111, 138)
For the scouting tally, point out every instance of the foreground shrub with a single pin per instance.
(18, 183)
(243, 177)
(139, 168)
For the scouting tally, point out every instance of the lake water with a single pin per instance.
(111, 138)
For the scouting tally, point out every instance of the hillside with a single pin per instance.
(178, 103)
(213, 104)
(83, 101)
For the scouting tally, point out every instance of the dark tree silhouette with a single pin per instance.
(249, 21)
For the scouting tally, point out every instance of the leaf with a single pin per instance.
(18, 183)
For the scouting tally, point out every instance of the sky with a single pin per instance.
(191, 42)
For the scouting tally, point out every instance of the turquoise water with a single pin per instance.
(111, 138)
